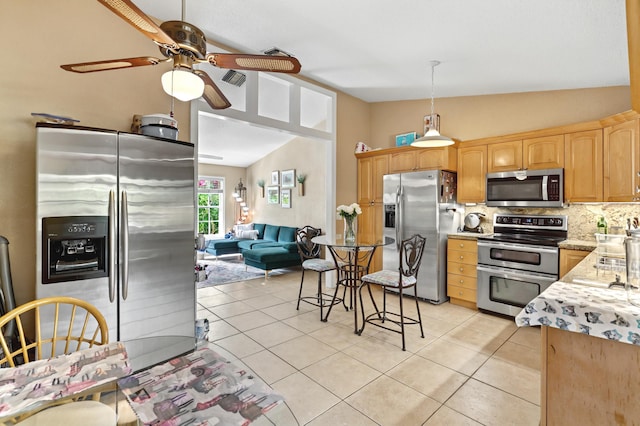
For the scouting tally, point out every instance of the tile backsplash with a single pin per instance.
(582, 217)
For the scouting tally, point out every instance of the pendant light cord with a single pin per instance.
(434, 64)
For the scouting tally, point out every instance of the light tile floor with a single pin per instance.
(471, 368)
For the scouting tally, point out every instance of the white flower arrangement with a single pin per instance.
(349, 211)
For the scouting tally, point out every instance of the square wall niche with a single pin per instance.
(274, 97)
(315, 110)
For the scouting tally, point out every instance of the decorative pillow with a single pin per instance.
(251, 234)
(242, 227)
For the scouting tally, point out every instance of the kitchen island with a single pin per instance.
(590, 341)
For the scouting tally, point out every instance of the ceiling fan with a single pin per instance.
(184, 45)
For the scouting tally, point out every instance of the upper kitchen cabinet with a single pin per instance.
(370, 172)
(472, 171)
(416, 159)
(504, 156)
(583, 166)
(621, 162)
(545, 152)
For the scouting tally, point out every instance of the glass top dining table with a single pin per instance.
(353, 259)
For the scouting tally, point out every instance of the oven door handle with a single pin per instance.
(504, 273)
(520, 247)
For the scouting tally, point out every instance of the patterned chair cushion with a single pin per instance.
(388, 278)
(318, 265)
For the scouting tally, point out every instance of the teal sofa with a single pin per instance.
(275, 247)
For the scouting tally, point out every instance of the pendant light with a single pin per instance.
(433, 138)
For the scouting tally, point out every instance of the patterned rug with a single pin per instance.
(233, 270)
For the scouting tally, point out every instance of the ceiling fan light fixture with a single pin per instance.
(433, 138)
(182, 84)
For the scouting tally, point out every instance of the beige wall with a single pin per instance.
(474, 117)
(307, 157)
(232, 176)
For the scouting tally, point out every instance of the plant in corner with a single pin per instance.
(349, 214)
(301, 178)
(261, 185)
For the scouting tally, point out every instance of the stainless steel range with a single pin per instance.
(519, 261)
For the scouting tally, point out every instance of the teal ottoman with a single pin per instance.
(271, 258)
(220, 247)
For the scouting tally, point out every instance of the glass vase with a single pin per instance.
(350, 229)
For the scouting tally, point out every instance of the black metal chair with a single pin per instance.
(405, 277)
(310, 257)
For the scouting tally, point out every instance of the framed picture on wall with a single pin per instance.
(288, 178)
(273, 195)
(285, 198)
(275, 177)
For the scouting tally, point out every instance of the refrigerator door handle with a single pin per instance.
(112, 246)
(124, 247)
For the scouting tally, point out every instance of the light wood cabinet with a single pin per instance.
(569, 259)
(370, 173)
(587, 380)
(370, 189)
(472, 171)
(621, 162)
(583, 179)
(416, 159)
(462, 258)
(504, 156)
(403, 162)
(545, 152)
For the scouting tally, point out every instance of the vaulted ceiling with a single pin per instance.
(380, 50)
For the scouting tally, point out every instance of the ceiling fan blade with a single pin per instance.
(138, 19)
(212, 93)
(286, 64)
(113, 64)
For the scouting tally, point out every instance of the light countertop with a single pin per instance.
(466, 235)
(582, 302)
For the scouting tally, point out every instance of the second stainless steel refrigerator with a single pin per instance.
(116, 226)
(421, 203)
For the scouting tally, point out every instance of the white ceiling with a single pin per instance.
(380, 50)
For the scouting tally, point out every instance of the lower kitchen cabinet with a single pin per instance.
(587, 380)
(462, 258)
(569, 259)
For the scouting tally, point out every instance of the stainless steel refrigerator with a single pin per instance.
(421, 203)
(116, 227)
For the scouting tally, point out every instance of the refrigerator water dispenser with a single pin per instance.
(74, 248)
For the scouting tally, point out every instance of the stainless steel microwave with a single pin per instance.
(526, 188)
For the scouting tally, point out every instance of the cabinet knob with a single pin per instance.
(461, 281)
(459, 293)
(461, 269)
(461, 245)
(461, 257)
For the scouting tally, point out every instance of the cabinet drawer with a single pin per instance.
(461, 293)
(462, 269)
(462, 281)
(463, 245)
(462, 257)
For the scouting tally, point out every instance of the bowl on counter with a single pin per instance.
(160, 131)
(161, 119)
